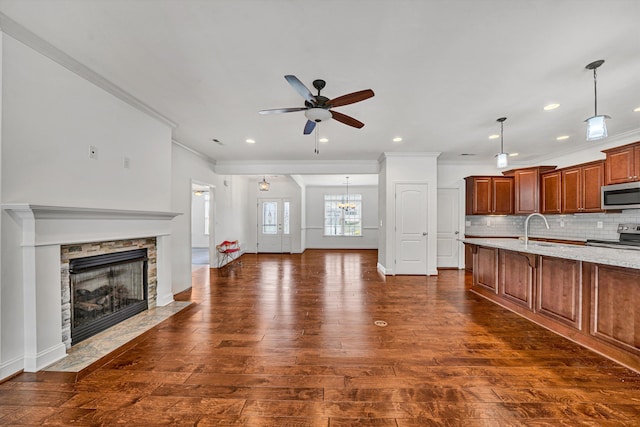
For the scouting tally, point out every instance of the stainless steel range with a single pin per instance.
(629, 238)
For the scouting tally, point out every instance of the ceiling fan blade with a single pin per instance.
(300, 88)
(309, 127)
(282, 110)
(347, 120)
(350, 98)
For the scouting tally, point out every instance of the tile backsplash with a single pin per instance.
(569, 227)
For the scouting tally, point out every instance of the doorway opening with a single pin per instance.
(202, 221)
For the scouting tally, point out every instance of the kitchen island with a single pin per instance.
(587, 294)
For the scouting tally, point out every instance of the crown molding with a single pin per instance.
(296, 167)
(195, 152)
(30, 39)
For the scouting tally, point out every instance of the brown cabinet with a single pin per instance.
(551, 192)
(559, 292)
(468, 257)
(527, 188)
(516, 277)
(489, 195)
(595, 305)
(485, 268)
(623, 164)
(615, 306)
(581, 187)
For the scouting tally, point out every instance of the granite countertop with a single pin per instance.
(619, 257)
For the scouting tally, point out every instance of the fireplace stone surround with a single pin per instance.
(33, 241)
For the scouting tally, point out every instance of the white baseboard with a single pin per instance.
(10, 368)
(45, 358)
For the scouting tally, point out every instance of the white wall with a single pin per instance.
(50, 118)
(410, 168)
(315, 219)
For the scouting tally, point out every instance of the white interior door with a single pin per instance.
(411, 229)
(274, 225)
(448, 227)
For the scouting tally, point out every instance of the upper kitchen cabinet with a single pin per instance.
(489, 195)
(622, 164)
(527, 188)
(551, 192)
(581, 187)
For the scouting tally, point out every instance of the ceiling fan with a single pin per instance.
(318, 108)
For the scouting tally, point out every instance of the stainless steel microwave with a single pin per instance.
(621, 196)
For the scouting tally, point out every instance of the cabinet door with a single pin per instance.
(614, 311)
(559, 290)
(592, 180)
(620, 165)
(485, 268)
(516, 273)
(637, 164)
(482, 196)
(571, 190)
(526, 191)
(502, 195)
(551, 193)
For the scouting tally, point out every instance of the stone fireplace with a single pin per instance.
(41, 243)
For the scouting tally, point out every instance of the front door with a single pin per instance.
(274, 225)
(411, 229)
(448, 227)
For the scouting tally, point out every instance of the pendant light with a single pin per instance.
(596, 125)
(263, 185)
(502, 156)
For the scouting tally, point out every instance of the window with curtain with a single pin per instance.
(341, 220)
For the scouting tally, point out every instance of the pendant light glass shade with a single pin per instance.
(596, 125)
(596, 128)
(263, 185)
(502, 160)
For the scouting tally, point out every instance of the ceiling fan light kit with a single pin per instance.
(318, 107)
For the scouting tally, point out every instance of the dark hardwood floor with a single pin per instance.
(290, 340)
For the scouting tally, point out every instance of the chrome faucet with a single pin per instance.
(526, 225)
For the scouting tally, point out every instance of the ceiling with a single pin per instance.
(442, 71)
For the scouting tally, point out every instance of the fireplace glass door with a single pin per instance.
(103, 294)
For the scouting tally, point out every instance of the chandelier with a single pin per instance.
(347, 206)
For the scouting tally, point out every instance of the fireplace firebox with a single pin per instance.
(105, 290)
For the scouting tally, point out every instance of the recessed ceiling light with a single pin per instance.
(397, 139)
(551, 107)
(636, 110)
(494, 136)
(323, 140)
(562, 137)
(513, 154)
(250, 141)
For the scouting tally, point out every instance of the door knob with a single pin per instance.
(424, 233)
(457, 232)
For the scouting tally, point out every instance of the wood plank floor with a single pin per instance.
(290, 340)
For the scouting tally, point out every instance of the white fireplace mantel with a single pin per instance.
(41, 230)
